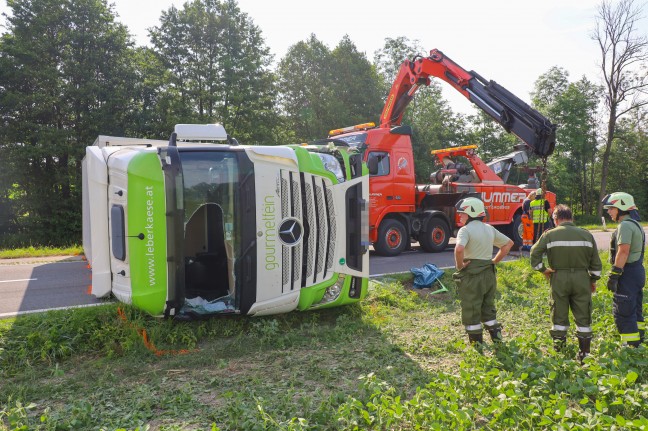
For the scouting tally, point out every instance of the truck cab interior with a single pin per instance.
(207, 272)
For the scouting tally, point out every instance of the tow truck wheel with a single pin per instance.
(436, 236)
(515, 232)
(392, 238)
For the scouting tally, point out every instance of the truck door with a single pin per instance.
(380, 186)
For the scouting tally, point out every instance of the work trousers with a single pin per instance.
(477, 286)
(628, 302)
(571, 289)
(539, 229)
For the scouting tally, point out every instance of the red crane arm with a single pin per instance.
(503, 106)
(413, 74)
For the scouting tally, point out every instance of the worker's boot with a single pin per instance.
(495, 334)
(477, 341)
(559, 343)
(584, 348)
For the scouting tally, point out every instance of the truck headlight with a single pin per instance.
(332, 165)
(332, 292)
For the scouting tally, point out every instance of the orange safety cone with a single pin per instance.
(527, 232)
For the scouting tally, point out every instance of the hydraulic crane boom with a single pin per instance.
(503, 106)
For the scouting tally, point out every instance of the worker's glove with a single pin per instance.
(613, 278)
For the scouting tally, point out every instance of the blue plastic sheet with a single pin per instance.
(426, 275)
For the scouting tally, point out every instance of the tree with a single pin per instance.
(306, 94)
(628, 158)
(573, 107)
(219, 70)
(323, 89)
(64, 75)
(356, 86)
(622, 51)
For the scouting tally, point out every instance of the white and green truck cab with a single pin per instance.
(201, 225)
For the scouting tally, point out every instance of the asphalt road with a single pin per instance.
(30, 285)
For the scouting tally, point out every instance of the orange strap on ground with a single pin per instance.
(147, 342)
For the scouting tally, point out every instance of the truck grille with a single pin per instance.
(307, 198)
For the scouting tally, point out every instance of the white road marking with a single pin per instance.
(23, 279)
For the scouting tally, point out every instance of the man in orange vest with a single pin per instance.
(527, 232)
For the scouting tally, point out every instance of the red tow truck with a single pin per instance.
(402, 211)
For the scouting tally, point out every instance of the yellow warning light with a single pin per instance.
(355, 128)
(364, 126)
(446, 150)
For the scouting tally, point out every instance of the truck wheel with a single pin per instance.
(392, 238)
(515, 232)
(436, 236)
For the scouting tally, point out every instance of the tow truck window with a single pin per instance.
(381, 160)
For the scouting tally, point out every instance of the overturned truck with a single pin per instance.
(200, 225)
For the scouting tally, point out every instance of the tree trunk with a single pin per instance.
(606, 159)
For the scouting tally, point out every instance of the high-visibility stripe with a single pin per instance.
(595, 273)
(583, 329)
(490, 323)
(560, 328)
(630, 337)
(473, 327)
(641, 325)
(569, 244)
(538, 266)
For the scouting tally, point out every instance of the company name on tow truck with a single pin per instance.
(513, 197)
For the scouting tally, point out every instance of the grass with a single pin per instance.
(31, 251)
(397, 361)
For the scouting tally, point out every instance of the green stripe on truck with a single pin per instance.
(146, 215)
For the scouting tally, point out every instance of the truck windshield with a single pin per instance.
(213, 220)
(354, 140)
(210, 177)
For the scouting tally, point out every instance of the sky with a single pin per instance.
(511, 42)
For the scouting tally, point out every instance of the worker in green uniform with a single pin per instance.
(475, 277)
(573, 267)
(539, 209)
(628, 275)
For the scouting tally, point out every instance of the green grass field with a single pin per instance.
(40, 252)
(397, 361)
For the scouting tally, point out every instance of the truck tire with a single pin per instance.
(514, 232)
(436, 236)
(392, 238)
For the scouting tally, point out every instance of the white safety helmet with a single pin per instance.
(620, 200)
(474, 207)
